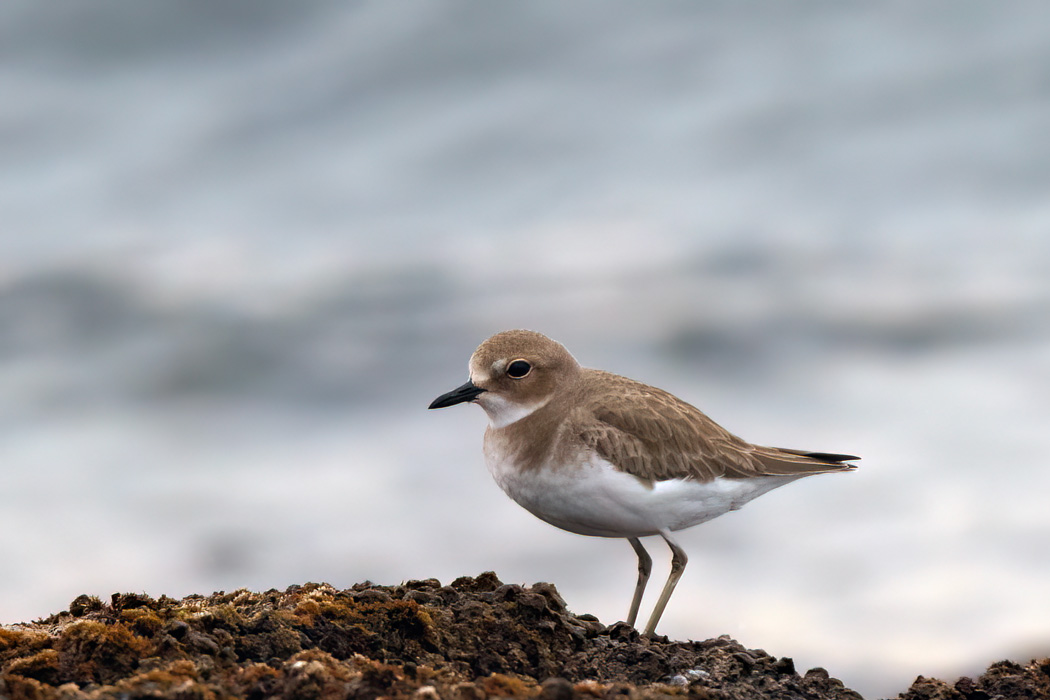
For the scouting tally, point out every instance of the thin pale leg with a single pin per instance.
(678, 562)
(645, 566)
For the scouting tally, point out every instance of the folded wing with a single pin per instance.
(656, 436)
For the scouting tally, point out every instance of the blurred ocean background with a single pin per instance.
(244, 244)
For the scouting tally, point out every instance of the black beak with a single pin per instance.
(467, 392)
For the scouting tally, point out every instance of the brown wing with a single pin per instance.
(655, 436)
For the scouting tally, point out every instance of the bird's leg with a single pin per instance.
(678, 562)
(645, 565)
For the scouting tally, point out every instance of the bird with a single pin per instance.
(599, 454)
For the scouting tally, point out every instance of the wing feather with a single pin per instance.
(656, 436)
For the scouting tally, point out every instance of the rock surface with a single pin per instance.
(476, 638)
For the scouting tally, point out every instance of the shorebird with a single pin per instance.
(599, 454)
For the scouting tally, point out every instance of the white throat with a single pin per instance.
(502, 412)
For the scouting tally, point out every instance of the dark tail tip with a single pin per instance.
(829, 457)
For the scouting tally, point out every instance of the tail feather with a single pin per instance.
(829, 457)
(786, 462)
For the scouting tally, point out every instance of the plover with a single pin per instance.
(599, 454)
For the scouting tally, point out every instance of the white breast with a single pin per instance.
(594, 498)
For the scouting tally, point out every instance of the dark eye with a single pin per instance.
(518, 369)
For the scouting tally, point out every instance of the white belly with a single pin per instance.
(594, 498)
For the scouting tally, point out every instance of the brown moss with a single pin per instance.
(179, 680)
(130, 601)
(19, 688)
(307, 611)
(44, 666)
(10, 639)
(264, 635)
(476, 638)
(142, 621)
(221, 615)
(256, 681)
(405, 615)
(315, 674)
(93, 652)
(468, 690)
(84, 604)
(503, 686)
(591, 688)
(17, 642)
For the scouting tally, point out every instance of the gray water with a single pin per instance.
(243, 245)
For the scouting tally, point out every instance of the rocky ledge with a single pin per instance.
(473, 639)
